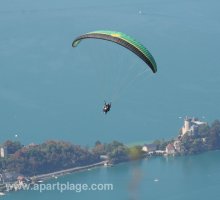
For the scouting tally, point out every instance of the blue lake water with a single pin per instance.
(191, 177)
(48, 90)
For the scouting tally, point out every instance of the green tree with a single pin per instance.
(213, 140)
(135, 152)
(12, 146)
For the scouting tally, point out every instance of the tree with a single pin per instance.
(12, 147)
(119, 154)
(135, 152)
(204, 130)
(213, 140)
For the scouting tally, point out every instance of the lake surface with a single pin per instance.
(48, 90)
(191, 177)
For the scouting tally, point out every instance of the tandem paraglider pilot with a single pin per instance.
(123, 40)
(106, 107)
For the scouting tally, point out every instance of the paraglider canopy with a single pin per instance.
(123, 40)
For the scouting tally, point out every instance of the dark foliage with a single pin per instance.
(48, 157)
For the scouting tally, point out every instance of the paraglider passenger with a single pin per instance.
(106, 107)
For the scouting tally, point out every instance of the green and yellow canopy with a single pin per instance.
(123, 40)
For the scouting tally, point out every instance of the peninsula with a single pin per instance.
(34, 162)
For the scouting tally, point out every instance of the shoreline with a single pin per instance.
(54, 175)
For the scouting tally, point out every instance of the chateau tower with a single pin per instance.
(187, 125)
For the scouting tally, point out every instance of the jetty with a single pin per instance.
(64, 172)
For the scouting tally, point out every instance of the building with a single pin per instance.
(177, 145)
(149, 147)
(21, 179)
(3, 152)
(191, 126)
(170, 149)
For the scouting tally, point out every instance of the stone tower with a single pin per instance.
(187, 125)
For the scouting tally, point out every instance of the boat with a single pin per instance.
(2, 194)
(106, 164)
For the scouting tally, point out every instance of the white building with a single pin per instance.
(149, 147)
(170, 149)
(3, 152)
(191, 126)
(177, 145)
